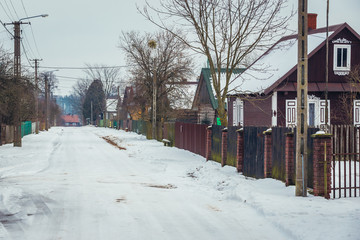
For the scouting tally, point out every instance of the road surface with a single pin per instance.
(91, 189)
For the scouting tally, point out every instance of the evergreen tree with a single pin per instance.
(96, 95)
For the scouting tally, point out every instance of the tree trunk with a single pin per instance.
(222, 113)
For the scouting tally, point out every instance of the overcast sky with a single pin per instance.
(79, 32)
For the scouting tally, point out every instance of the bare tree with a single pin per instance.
(346, 100)
(225, 31)
(78, 95)
(109, 77)
(169, 61)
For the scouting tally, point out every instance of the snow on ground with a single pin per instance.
(70, 183)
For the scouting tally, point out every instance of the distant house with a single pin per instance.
(205, 102)
(111, 108)
(70, 120)
(268, 97)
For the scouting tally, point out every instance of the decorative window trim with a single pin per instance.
(341, 40)
(341, 71)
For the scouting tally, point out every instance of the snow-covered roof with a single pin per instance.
(111, 105)
(274, 64)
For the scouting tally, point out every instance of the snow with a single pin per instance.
(273, 65)
(69, 183)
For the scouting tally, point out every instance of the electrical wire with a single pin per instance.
(2, 6)
(24, 50)
(12, 17)
(83, 68)
(6, 29)
(32, 32)
(14, 9)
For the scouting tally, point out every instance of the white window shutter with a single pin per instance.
(291, 113)
(238, 113)
(357, 112)
(322, 108)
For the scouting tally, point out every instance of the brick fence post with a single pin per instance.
(289, 159)
(267, 153)
(240, 150)
(322, 154)
(208, 142)
(224, 146)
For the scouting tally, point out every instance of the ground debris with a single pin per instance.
(167, 186)
(108, 139)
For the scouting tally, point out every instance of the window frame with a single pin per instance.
(348, 57)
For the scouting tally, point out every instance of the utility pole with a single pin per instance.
(118, 109)
(327, 69)
(36, 95)
(17, 77)
(154, 106)
(302, 95)
(46, 103)
(91, 117)
(152, 45)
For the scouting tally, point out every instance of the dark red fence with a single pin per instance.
(191, 137)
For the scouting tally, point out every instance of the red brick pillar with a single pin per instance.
(240, 150)
(289, 159)
(208, 142)
(322, 155)
(224, 146)
(267, 154)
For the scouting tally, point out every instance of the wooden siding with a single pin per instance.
(257, 112)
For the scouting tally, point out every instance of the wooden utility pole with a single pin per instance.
(91, 113)
(46, 103)
(17, 77)
(302, 96)
(36, 95)
(118, 109)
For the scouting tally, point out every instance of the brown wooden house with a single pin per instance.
(267, 97)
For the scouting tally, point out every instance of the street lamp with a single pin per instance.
(17, 75)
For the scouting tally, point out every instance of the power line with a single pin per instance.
(5, 11)
(12, 35)
(12, 17)
(14, 9)
(84, 68)
(32, 32)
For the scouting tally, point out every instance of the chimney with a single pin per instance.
(312, 21)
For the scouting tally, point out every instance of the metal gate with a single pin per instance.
(345, 162)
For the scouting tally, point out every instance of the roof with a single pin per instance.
(70, 118)
(206, 76)
(269, 70)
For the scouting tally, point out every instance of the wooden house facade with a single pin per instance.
(268, 97)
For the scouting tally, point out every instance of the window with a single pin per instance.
(238, 113)
(342, 55)
(316, 112)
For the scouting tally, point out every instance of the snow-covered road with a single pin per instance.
(69, 183)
